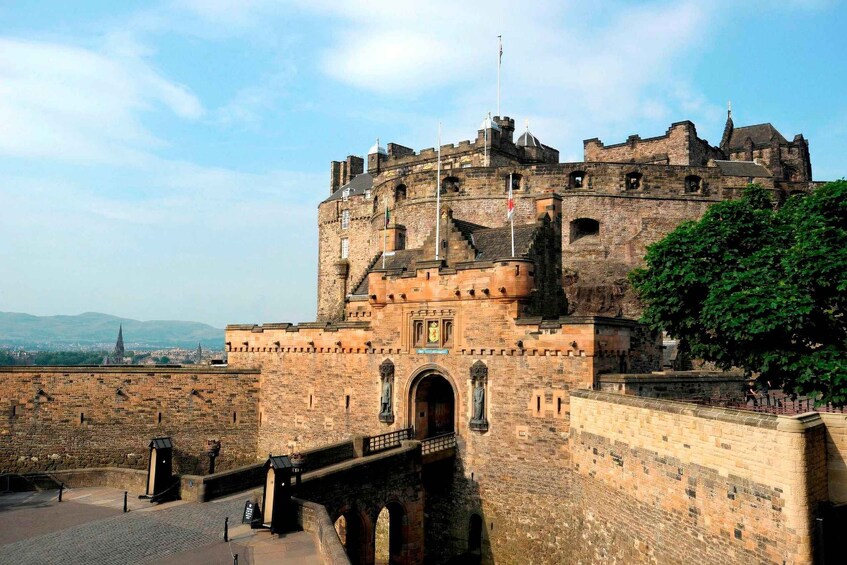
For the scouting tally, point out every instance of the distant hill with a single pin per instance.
(93, 329)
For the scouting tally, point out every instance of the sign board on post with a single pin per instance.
(249, 512)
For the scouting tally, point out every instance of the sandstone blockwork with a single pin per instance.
(71, 417)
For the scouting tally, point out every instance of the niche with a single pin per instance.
(584, 228)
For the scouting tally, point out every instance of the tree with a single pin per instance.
(760, 289)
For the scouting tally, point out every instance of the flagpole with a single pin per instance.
(499, 62)
(512, 214)
(384, 234)
(438, 199)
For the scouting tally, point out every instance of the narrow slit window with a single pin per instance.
(82, 417)
(347, 402)
(310, 401)
(538, 404)
(159, 419)
(559, 406)
(234, 417)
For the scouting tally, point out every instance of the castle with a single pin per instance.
(518, 339)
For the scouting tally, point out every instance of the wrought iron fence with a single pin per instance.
(438, 443)
(390, 440)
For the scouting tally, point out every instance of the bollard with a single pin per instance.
(235, 559)
(226, 528)
(61, 488)
(125, 501)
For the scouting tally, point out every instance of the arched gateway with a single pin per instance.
(432, 404)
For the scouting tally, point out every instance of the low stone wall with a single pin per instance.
(91, 417)
(131, 480)
(314, 518)
(669, 482)
(678, 385)
(199, 488)
(328, 455)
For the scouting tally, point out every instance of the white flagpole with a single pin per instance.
(384, 233)
(512, 214)
(438, 199)
(499, 61)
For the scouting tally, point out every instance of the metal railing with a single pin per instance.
(438, 443)
(383, 442)
(773, 402)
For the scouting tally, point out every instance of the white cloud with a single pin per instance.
(68, 103)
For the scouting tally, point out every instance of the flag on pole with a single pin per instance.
(500, 37)
(511, 204)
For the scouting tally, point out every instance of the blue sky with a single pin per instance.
(164, 160)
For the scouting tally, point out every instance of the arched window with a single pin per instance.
(693, 184)
(450, 184)
(582, 228)
(376, 204)
(633, 180)
(516, 182)
(576, 179)
(475, 535)
(400, 193)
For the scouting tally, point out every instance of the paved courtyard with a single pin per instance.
(89, 526)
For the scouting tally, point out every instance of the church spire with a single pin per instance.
(727, 130)
(118, 353)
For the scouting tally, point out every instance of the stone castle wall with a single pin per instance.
(668, 482)
(106, 416)
(679, 146)
(630, 218)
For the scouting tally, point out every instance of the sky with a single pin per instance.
(165, 160)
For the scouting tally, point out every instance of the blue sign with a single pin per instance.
(428, 351)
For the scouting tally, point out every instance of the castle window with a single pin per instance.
(401, 240)
(584, 227)
(345, 194)
(450, 184)
(633, 181)
(432, 332)
(345, 248)
(400, 193)
(516, 182)
(576, 179)
(693, 184)
(376, 204)
(418, 333)
(345, 219)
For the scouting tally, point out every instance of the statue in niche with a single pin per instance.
(386, 398)
(386, 373)
(479, 379)
(478, 402)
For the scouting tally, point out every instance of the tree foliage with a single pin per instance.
(761, 289)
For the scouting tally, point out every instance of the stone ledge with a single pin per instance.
(153, 369)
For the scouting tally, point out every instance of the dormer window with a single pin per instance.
(576, 179)
(633, 181)
(345, 194)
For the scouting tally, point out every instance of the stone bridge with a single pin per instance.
(356, 481)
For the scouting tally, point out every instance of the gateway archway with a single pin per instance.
(433, 406)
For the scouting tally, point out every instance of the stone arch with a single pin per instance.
(413, 383)
(391, 533)
(400, 192)
(356, 535)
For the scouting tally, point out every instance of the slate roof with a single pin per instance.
(490, 243)
(761, 134)
(496, 243)
(358, 185)
(742, 169)
(528, 140)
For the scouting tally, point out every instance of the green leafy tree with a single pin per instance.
(761, 289)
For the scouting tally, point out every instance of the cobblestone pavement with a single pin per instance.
(152, 534)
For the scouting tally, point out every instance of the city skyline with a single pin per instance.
(166, 161)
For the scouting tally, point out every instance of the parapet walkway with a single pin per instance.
(89, 526)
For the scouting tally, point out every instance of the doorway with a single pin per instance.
(434, 407)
